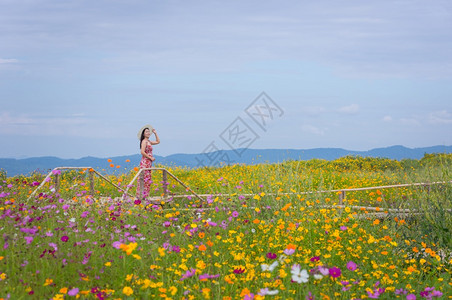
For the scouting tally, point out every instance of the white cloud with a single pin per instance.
(440, 117)
(26, 125)
(387, 119)
(350, 109)
(313, 110)
(8, 61)
(410, 121)
(312, 129)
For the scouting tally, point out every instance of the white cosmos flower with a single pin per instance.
(298, 275)
(270, 268)
(318, 276)
(266, 291)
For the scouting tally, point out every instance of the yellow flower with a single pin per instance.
(201, 265)
(128, 248)
(172, 290)
(245, 292)
(2, 276)
(206, 293)
(58, 297)
(48, 282)
(136, 256)
(108, 264)
(129, 277)
(127, 291)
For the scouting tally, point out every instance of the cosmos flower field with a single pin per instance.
(267, 231)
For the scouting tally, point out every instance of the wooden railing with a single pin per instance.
(165, 174)
(56, 173)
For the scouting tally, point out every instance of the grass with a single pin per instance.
(253, 241)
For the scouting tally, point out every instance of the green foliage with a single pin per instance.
(3, 175)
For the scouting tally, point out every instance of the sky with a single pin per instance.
(80, 78)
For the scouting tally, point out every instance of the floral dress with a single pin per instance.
(145, 163)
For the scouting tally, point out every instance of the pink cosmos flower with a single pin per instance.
(352, 266)
(64, 238)
(324, 270)
(249, 297)
(73, 292)
(335, 272)
(315, 258)
(271, 255)
(289, 251)
(188, 274)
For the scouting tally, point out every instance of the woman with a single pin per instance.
(146, 159)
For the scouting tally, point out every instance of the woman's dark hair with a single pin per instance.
(142, 136)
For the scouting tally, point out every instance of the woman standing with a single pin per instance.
(146, 159)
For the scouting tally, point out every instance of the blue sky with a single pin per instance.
(79, 78)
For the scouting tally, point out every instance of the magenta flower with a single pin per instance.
(271, 255)
(352, 266)
(207, 276)
(235, 214)
(64, 238)
(73, 292)
(65, 207)
(28, 239)
(248, 297)
(343, 228)
(188, 274)
(400, 292)
(315, 258)
(310, 296)
(239, 270)
(335, 272)
(411, 297)
(376, 294)
(137, 202)
(54, 246)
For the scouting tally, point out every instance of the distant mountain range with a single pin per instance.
(25, 166)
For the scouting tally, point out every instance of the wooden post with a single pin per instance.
(91, 183)
(57, 183)
(342, 196)
(164, 183)
(141, 186)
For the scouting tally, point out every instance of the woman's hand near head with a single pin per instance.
(157, 139)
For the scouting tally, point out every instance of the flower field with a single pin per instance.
(267, 231)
